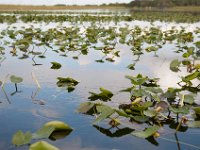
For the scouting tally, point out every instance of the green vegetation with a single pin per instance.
(39, 17)
(150, 106)
(54, 130)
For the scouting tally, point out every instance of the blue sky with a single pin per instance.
(67, 2)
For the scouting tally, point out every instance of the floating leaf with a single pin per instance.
(174, 65)
(191, 76)
(99, 61)
(188, 99)
(181, 110)
(154, 89)
(138, 80)
(42, 145)
(15, 79)
(150, 113)
(68, 82)
(70, 89)
(141, 119)
(44, 132)
(105, 95)
(110, 59)
(170, 93)
(105, 112)
(21, 138)
(186, 62)
(197, 66)
(58, 125)
(147, 132)
(87, 108)
(197, 110)
(121, 113)
(55, 65)
(151, 48)
(131, 66)
(197, 44)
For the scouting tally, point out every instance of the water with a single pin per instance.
(23, 114)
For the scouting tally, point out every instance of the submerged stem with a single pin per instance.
(177, 141)
(16, 87)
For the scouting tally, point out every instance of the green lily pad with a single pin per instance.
(188, 99)
(104, 95)
(138, 80)
(181, 110)
(141, 119)
(150, 113)
(131, 66)
(21, 138)
(15, 79)
(174, 65)
(58, 125)
(44, 132)
(197, 44)
(197, 110)
(147, 132)
(105, 112)
(68, 82)
(55, 65)
(42, 145)
(85, 107)
(191, 76)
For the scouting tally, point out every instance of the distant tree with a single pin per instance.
(60, 5)
(163, 3)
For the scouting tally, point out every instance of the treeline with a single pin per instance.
(186, 2)
(163, 3)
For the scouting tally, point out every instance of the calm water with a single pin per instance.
(23, 114)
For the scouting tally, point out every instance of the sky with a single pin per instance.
(67, 2)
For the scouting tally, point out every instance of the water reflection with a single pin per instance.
(31, 108)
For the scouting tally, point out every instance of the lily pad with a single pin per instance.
(197, 111)
(181, 110)
(58, 125)
(147, 132)
(86, 107)
(21, 138)
(131, 66)
(68, 82)
(191, 76)
(104, 95)
(42, 145)
(188, 99)
(44, 132)
(105, 112)
(150, 113)
(15, 79)
(174, 65)
(56, 65)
